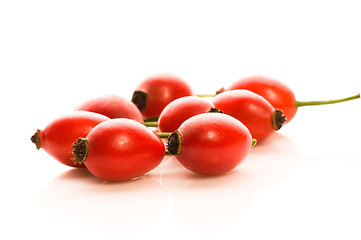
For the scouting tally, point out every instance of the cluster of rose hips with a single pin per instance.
(117, 139)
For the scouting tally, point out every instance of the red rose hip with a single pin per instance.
(278, 94)
(57, 137)
(179, 110)
(259, 116)
(210, 143)
(153, 94)
(119, 150)
(112, 106)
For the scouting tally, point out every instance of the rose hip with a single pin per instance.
(259, 116)
(179, 110)
(278, 94)
(153, 94)
(112, 106)
(119, 150)
(57, 137)
(210, 143)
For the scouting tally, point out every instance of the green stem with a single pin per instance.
(254, 142)
(315, 103)
(151, 124)
(164, 134)
(205, 95)
(152, 119)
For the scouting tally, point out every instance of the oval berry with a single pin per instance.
(153, 94)
(119, 150)
(259, 116)
(275, 92)
(57, 137)
(179, 110)
(112, 106)
(210, 143)
(279, 95)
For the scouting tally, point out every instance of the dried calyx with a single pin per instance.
(174, 143)
(36, 139)
(80, 150)
(214, 110)
(278, 119)
(140, 99)
(222, 89)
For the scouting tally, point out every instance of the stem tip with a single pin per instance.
(254, 142)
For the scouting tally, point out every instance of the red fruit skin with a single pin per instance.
(179, 110)
(58, 136)
(112, 106)
(122, 149)
(275, 92)
(213, 143)
(161, 90)
(250, 108)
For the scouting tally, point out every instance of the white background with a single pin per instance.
(303, 183)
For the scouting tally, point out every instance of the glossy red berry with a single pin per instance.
(278, 94)
(210, 143)
(275, 92)
(57, 137)
(259, 116)
(153, 94)
(179, 110)
(112, 106)
(119, 150)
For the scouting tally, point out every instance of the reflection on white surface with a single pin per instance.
(107, 207)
